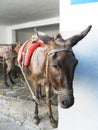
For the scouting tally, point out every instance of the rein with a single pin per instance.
(34, 97)
(64, 92)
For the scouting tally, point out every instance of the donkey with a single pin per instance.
(8, 60)
(53, 67)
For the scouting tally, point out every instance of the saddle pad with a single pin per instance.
(3, 49)
(30, 51)
(19, 58)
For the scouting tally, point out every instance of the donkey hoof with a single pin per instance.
(7, 85)
(12, 82)
(36, 120)
(54, 123)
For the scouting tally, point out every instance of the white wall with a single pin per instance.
(3, 35)
(45, 22)
(77, 16)
(23, 35)
(83, 115)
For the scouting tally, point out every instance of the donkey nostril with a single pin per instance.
(67, 102)
(64, 103)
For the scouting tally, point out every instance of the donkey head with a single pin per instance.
(61, 64)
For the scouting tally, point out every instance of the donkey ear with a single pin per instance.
(76, 38)
(43, 37)
(18, 43)
(58, 36)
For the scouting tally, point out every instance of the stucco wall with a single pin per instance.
(25, 28)
(24, 34)
(83, 115)
(3, 35)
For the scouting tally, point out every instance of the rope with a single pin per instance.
(34, 97)
(64, 92)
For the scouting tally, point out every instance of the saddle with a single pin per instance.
(29, 51)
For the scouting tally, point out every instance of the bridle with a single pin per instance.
(64, 92)
(59, 50)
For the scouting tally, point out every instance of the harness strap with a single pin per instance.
(59, 49)
(34, 97)
(64, 92)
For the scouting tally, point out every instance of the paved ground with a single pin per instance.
(17, 107)
(10, 124)
(17, 114)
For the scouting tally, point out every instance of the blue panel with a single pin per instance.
(82, 1)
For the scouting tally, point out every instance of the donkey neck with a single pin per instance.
(38, 60)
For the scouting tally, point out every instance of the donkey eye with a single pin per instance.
(55, 66)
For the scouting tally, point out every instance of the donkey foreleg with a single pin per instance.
(11, 78)
(36, 117)
(5, 75)
(48, 102)
(9, 69)
(5, 79)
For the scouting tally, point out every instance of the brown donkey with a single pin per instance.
(8, 59)
(53, 66)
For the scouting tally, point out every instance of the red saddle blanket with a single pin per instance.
(29, 51)
(19, 58)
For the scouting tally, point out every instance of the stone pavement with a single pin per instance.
(17, 107)
(10, 124)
